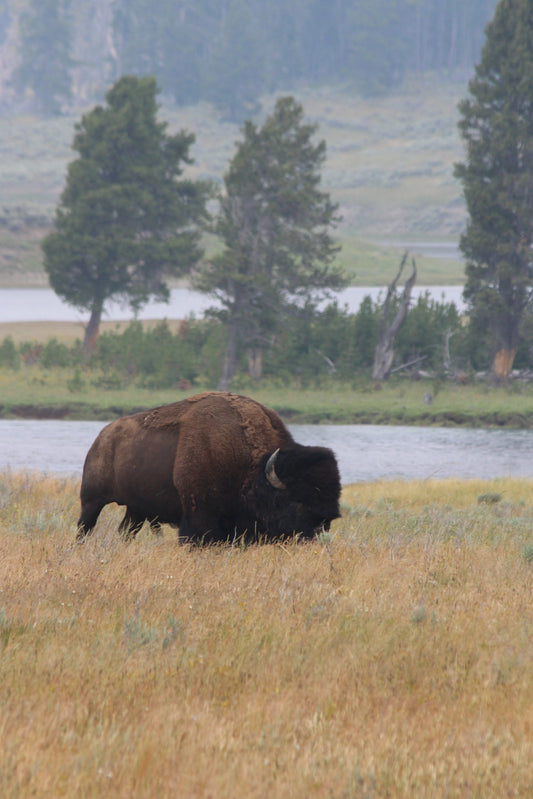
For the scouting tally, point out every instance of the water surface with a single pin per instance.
(43, 305)
(364, 452)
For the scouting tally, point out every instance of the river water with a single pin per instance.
(37, 305)
(364, 452)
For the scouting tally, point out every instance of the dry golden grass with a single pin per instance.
(392, 659)
(68, 332)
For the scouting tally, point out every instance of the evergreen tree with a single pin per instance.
(46, 64)
(126, 219)
(274, 222)
(497, 127)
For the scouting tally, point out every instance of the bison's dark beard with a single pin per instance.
(299, 523)
(277, 517)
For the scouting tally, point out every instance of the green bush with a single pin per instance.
(423, 333)
(335, 342)
(9, 355)
(55, 353)
(157, 357)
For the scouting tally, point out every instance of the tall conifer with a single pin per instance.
(497, 127)
(275, 222)
(127, 219)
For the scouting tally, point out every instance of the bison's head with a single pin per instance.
(297, 491)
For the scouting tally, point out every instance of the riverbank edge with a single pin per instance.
(79, 411)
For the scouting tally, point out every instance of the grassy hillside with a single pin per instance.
(392, 659)
(389, 166)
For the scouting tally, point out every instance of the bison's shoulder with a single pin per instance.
(208, 404)
(262, 428)
(259, 425)
(164, 416)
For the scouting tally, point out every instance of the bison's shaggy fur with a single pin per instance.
(216, 465)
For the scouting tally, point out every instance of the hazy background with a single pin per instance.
(382, 79)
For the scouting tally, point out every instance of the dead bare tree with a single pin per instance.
(388, 330)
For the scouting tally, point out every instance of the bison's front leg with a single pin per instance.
(88, 518)
(202, 528)
(155, 527)
(130, 524)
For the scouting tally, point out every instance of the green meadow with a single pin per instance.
(34, 392)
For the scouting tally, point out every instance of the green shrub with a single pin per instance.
(157, 357)
(9, 356)
(313, 345)
(76, 384)
(55, 353)
(490, 498)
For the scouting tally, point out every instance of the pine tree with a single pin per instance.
(274, 222)
(497, 127)
(127, 219)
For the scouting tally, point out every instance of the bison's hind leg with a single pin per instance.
(88, 518)
(130, 524)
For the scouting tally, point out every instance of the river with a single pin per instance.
(38, 305)
(364, 452)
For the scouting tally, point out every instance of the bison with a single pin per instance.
(216, 465)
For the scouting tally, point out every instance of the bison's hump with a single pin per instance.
(261, 427)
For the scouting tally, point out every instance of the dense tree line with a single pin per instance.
(232, 51)
(312, 348)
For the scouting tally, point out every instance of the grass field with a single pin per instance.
(389, 166)
(35, 392)
(67, 332)
(392, 659)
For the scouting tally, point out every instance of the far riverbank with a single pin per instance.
(55, 394)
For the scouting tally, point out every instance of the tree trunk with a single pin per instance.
(92, 330)
(384, 352)
(229, 365)
(502, 365)
(255, 363)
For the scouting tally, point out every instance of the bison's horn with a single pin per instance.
(270, 471)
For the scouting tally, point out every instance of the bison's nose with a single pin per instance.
(323, 527)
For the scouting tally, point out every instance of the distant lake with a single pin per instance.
(42, 305)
